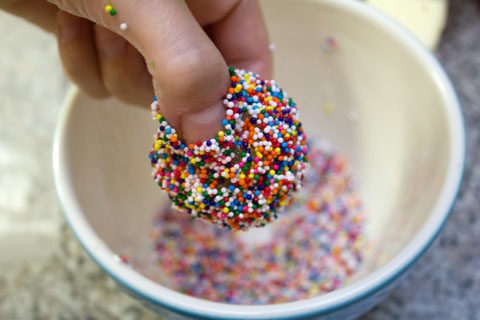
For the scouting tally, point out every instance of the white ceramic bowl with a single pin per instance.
(378, 96)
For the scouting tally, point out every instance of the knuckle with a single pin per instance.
(195, 77)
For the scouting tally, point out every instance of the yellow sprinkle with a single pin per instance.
(251, 176)
(313, 290)
(242, 176)
(329, 108)
(199, 189)
(225, 210)
(108, 8)
(277, 250)
(221, 134)
(278, 150)
(158, 116)
(272, 172)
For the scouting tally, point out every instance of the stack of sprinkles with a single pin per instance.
(247, 174)
(315, 246)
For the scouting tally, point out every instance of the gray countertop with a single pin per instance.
(52, 278)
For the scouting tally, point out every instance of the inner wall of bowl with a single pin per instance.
(388, 115)
(367, 97)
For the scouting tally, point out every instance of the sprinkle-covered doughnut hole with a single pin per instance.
(246, 175)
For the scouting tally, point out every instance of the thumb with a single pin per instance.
(189, 72)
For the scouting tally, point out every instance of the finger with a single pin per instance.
(76, 46)
(39, 12)
(123, 69)
(243, 40)
(190, 71)
(208, 12)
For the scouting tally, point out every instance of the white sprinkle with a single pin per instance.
(123, 26)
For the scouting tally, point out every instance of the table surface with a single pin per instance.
(53, 278)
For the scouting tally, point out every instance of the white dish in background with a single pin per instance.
(377, 95)
(426, 19)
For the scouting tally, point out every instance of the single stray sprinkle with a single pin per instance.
(121, 259)
(330, 44)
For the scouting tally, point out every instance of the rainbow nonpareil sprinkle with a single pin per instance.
(312, 250)
(247, 174)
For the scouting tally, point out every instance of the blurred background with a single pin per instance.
(44, 274)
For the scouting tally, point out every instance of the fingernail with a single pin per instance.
(109, 43)
(68, 26)
(203, 125)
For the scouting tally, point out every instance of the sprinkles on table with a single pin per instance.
(247, 174)
(312, 250)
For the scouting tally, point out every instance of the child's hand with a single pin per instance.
(184, 45)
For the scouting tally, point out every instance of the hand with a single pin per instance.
(184, 46)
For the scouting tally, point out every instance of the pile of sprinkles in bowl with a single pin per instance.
(316, 245)
(247, 174)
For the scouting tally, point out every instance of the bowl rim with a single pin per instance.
(160, 296)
